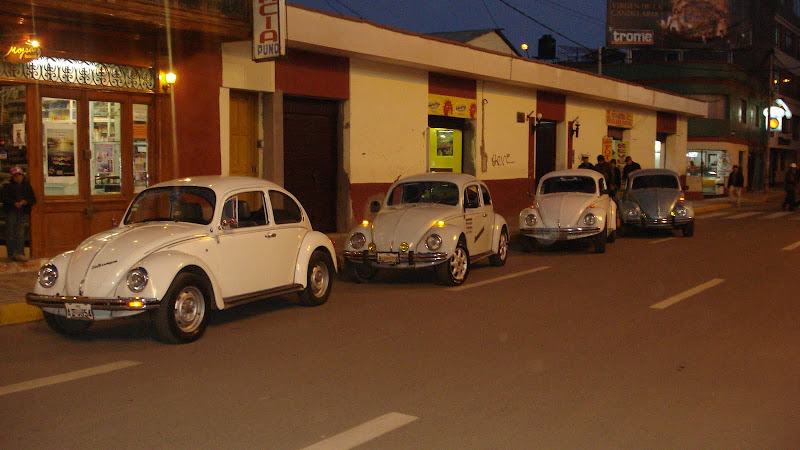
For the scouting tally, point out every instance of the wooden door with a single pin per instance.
(244, 134)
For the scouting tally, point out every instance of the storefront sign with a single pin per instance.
(620, 150)
(269, 29)
(608, 147)
(443, 105)
(22, 53)
(619, 119)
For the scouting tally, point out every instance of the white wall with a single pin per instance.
(505, 140)
(385, 123)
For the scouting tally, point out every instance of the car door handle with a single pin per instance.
(270, 235)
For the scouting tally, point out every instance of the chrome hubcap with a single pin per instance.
(319, 280)
(503, 250)
(458, 264)
(190, 308)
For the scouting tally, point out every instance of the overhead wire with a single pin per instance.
(491, 16)
(554, 31)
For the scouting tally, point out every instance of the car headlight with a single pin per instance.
(433, 242)
(48, 274)
(589, 219)
(530, 220)
(633, 213)
(357, 240)
(137, 279)
(681, 211)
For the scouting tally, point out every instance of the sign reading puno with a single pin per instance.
(269, 29)
(22, 53)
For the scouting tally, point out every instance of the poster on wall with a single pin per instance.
(19, 135)
(104, 159)
(677, 24)
(60, 152)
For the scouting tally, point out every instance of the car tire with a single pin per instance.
(528, 244)
(599, 241)
(688, 229)
(319, 280)
(623, 230)
(67, 327)
(182, 316)
(359, 272)
(454, 272)
(499, 258)
(613, 235)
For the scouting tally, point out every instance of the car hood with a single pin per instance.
(656, 203)
(407, 223)
(563, 210)
(101, 261)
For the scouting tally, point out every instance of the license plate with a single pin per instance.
(79, 311)
(389, 258)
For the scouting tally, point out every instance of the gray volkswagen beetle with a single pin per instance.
(654, 199)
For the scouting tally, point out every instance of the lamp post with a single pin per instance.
(524, 46)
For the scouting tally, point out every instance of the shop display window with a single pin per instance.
(140, 145)
(59, 140)
(104, 142)
(13, 141)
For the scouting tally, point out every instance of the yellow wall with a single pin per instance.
(505, 140)
(386, 122)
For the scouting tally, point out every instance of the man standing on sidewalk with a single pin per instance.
(790, 184)
(18, 198)
(735, 185)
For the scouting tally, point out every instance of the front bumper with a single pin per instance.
(98, 304)
(559, 234)
(663, 223)
(395, 259)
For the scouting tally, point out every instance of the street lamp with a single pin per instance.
(524, 46)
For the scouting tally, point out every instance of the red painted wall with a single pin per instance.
(198, 65)
(313, 74)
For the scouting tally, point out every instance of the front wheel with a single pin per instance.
(360, 272)
(499, 258)
(68, 327)
(319, 280)
(688, 229)
(599, 241)
(454, 271)
(182, 316)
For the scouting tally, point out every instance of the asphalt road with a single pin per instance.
(661, 342)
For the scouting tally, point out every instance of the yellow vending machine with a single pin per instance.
(444, 150)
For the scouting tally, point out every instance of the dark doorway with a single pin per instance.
(310, 143)
(545, 148)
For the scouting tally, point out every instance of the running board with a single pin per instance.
(260, 295)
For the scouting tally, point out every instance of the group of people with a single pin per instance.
(18, 198)
(791, 183)
(613, 175)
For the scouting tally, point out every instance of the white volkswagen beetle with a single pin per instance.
(570, 204)
(442, 220)
(184, 248)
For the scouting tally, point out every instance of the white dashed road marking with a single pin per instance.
(706, 216)
(776, 215)
(687, 293)
(743, 215)
(495, 280)
(792, 247)
(658, 241)
(70, 376)
(364, 432)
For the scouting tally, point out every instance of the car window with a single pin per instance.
(244, 210)
(555, 185)
(487, 199)
(472, 198)
(424, 192)
(655, 181)
(191, 204)
(284, 208)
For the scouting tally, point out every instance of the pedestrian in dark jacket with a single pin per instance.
(18, 198)
(605, 168)
(735, 185)
(585, 164)
(630, 166)
(790, 184)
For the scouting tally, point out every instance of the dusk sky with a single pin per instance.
(577, 23)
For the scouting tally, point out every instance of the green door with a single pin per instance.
(444, 150)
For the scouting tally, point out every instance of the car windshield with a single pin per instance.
(175, 204)
(655, 181)
(424, 192)
(555, 185)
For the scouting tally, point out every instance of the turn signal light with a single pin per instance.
(440, 223)
(135, 304)
(365, 223)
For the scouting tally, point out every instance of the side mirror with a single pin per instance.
(685, 188)
(374, 207)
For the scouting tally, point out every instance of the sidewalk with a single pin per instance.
(16, 279)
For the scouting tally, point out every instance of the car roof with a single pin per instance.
(220, 183)
(645, 172)
(574, 173)
(459, 179)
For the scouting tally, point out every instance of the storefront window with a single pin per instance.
(140, 144)
(707, 170)
(104, 141)
(59, 134)
(13, 141)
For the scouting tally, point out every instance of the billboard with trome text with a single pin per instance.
(676, 24)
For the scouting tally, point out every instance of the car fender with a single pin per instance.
(360, 228)
(601, 214)
(497, 228)
(449, 234)
(162, 267)
(61, 262)
(311, 242)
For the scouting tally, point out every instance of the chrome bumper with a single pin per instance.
(559, 233)
(662, 223)
(100, 304)
(406, 259)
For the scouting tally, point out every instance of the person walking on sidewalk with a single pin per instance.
(790, 184)
(630, 166)
(18, 198)
(735, 185)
